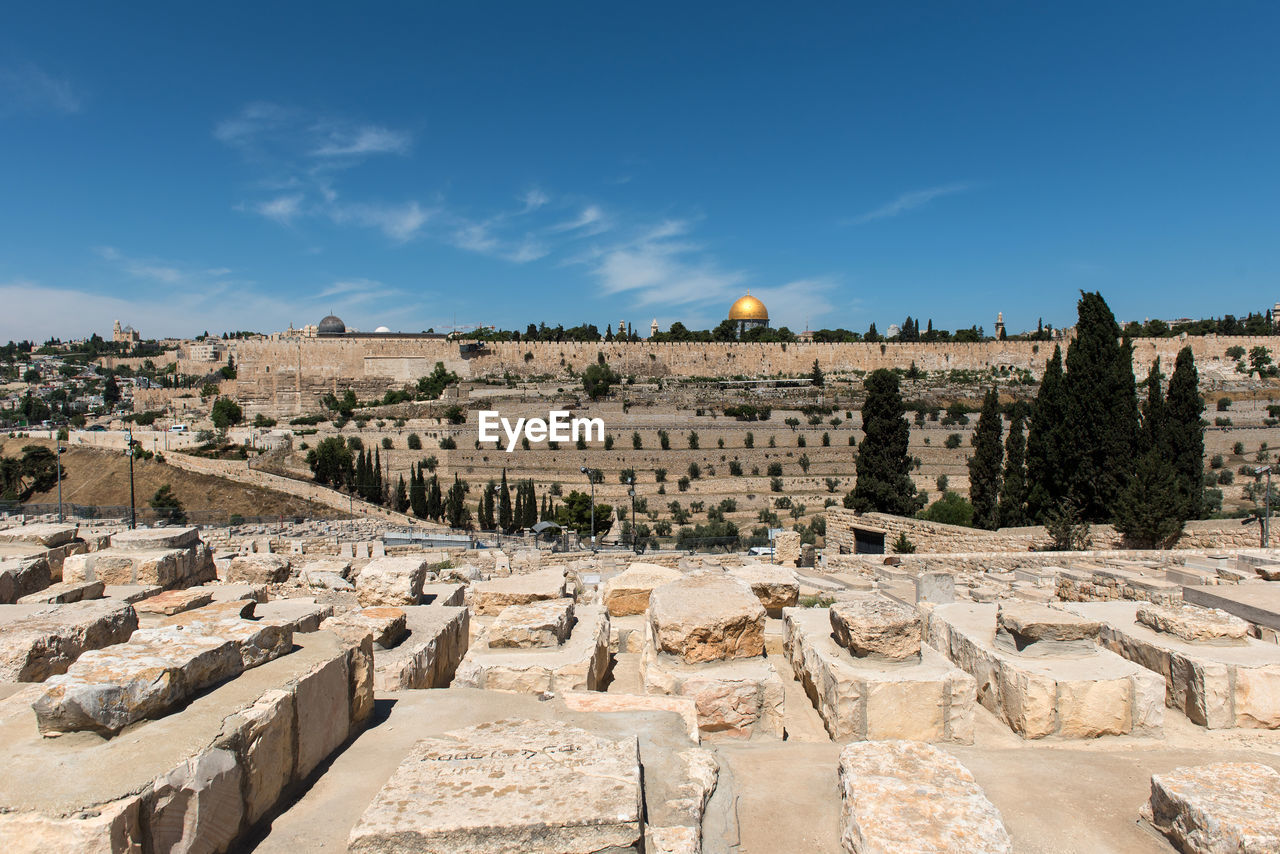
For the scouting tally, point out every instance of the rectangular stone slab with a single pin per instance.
(926, 698)
(508, 786)
(537, 624)
(429, 656)
(490, 597)
(911, 796)
(1082, 694)
(1216, 686)
(64, 592)
(1224, 807)
(877, 627)
(43, 641)
(579, 664)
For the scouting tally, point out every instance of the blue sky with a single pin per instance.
(242, 166)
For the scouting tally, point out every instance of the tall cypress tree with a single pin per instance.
(530, 505)
(1098, 450)
(1154, 432)
(1046, 481)
(418, 493)
(402, 496)
(455, 506)
(1185, 430)
(883, 466)
(1148, 510)
(984, 465)
(435, 504)
(505, 514)
(1013, 485)
(485, 514)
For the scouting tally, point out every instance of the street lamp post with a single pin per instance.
(60, 450)
(133, 512)
(1266, 517)
(591, 480)
(631, 493)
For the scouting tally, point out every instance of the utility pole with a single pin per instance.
(1266, 518)
(591, 480)
(631, 492)
(58, 447)
(133, 511)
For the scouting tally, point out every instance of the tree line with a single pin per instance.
(1089, 450)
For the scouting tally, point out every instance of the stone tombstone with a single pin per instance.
(346, 551)
(936, 588)
(379, 548)
(264, 547)
(501, 563)
(807, 553)
(295, 547)
(529, 786)
(362, 549)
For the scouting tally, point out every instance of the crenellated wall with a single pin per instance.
(288, 376)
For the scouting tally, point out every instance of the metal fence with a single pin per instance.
(147, 515)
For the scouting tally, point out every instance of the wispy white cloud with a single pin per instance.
(910, 201)
(589, 221)
(370, 139)
(534, 199)
(29, 88)
(156, 271)
(400, 222)
(282, 209)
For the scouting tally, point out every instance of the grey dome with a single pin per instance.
(332, 325)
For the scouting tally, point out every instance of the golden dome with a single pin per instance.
(748, 308)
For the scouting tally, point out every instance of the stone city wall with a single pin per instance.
(936, 538)
(288, 376)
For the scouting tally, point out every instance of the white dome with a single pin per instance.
(382, 329)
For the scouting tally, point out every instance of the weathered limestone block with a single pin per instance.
(542, 787)
(430, 655)
(258, 641)
(262, 735)
(579, 664)
(925, 698)
(391, 581)
(198, 806)
(258, 569)
(174, 601)
(328, 581)
(1217, 685)
(598, 701)
(386, 625)
(628, 592)
(105, 690)
(707, 616)
(48, 535)
(907, 796)
(166, 567)
(44, 641)
(1082, 692)
(151, 539)
(195, 780)
(775, 586)
(302, 614)
(65, 592)
(22, 577)
(734, 697)
(786, 548)
(1224, 808)
(490, 597)
(1020, 625)
(444, 594)
(1195, 624)
(877, 627)
(538, 624)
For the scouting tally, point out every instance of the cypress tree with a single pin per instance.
(418, 493)
(435, 506)
(455, 506)
(984, 465)
(1185, 430)
(1045, 476)
(485, 514)
(402, 496)
(505, 515)
(1013, 485)
(883, 466)
(530, 505)
(1154, 421)
(1149, 510)
(1102, 410)
(379, 491)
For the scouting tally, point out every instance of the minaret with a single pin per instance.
(999, 325)
(653, 328)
